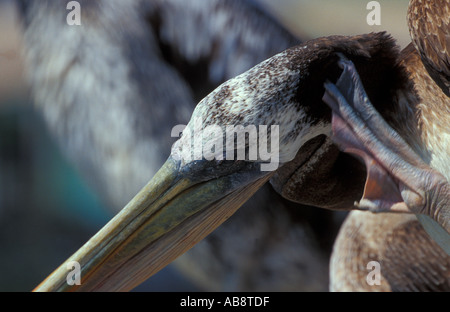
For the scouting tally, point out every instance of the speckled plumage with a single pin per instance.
(286, 89)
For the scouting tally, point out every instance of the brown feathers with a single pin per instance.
(409, 259)
(429, 25)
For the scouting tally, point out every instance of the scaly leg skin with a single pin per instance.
(397, 178)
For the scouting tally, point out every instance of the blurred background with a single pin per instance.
(46, 210)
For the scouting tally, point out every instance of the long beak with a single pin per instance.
(172, 213)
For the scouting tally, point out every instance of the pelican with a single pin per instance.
(187, 199)
(112, 89)
(427, 66)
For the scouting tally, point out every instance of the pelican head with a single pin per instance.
(268, 123)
